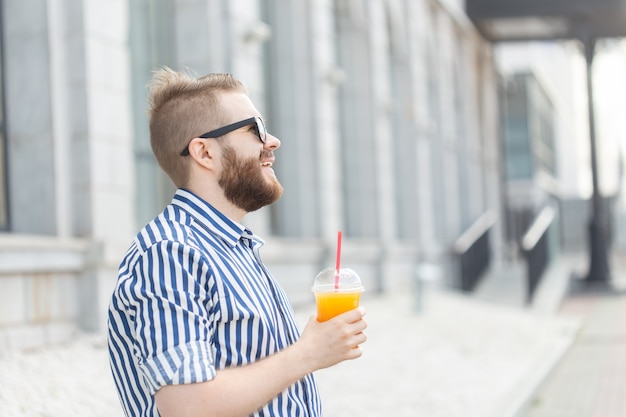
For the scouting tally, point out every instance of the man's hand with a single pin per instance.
(336, 340)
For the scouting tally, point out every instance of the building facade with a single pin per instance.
(386, 109)
(529, 142)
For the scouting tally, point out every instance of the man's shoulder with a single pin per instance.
(175, 225)
(166, 229)
(170, 225)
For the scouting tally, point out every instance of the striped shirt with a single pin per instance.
(193, 297)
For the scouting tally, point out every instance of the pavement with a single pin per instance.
(589, 380)
(492, 354)
(487, 354)
(459, 357)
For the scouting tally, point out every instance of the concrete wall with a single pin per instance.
(389, 130)
(39, 282)
(70, 165)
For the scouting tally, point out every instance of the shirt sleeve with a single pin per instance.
(172, 324)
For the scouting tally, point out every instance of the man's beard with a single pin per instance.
(244, 183)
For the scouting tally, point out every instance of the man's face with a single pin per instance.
(246, 182)
(246, 174)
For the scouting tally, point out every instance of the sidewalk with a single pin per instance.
(589, 380)
(461, 358)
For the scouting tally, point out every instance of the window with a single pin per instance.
(151, 47)
(4, 214)
(290, 109)
(358, 155)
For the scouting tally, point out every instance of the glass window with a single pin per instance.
(4, 214)
(291, 113)
(358, 156)
(437, 174)
(403, 135)
(151, 37)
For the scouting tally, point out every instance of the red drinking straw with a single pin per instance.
(338, 260)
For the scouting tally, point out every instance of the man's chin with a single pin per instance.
(277, 187)
(277, 192)
(270, 196)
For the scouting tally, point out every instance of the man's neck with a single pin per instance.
(217, 199)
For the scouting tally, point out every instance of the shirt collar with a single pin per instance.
(212, 219)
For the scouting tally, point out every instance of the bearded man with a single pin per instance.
(197, 324)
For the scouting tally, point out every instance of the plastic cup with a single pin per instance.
(333, 299)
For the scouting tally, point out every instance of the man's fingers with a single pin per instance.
(352, 315)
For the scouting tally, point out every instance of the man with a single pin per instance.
(197, 325)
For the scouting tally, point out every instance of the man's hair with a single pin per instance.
(181, 107)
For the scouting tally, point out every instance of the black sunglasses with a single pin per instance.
(260, 131)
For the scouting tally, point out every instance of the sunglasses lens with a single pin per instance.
(261, 129)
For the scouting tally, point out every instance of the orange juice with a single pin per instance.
(331, 304)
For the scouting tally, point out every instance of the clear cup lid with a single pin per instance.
(349, 281)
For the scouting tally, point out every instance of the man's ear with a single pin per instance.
(203, 151)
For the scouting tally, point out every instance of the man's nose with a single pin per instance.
(272, 142)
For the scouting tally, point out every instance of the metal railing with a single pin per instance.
(473, 252)
(535, 247)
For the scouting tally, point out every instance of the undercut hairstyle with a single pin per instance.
(181, 107)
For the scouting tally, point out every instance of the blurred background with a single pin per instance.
(448, 140)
